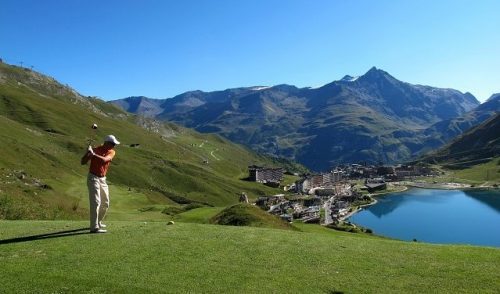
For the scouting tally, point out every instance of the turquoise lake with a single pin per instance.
(436, 216)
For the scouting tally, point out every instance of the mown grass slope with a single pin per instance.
(44, 129)
(138, 257)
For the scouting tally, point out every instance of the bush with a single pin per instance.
(193, 206)
(172, 210)
(248, 215)
(349, 228)
(147, 208)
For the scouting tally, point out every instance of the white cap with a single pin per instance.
(112, 139)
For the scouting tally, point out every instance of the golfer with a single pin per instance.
(100, 159)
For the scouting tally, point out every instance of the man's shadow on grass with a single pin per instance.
(60, 234)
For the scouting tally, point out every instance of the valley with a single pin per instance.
(165, 173)
(254, 146)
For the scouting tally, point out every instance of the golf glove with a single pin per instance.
(90, 150)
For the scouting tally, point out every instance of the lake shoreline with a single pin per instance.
(449, 186)
(360, 207)
(409, 185)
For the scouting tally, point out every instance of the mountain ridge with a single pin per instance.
(373, 118)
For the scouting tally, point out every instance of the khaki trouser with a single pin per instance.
(98, 199)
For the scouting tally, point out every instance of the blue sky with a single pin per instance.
(119, 48)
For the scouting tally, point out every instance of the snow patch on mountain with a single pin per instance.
(349, 78)
(259, 88)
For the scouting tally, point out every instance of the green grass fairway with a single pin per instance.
(139, 257)
(199, 215)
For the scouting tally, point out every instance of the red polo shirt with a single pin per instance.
(97, 166)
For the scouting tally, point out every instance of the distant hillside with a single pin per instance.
(442, 132)
(142, 105)
(374, 117)
(479, 144)
(45, 127)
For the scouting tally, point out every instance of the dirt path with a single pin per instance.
(212, 153)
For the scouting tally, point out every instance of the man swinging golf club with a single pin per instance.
(100, 159)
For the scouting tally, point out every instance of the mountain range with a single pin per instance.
(371, 118)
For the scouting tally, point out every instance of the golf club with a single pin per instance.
(93, 133)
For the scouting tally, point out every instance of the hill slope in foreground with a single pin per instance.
(249, 215)
(44, 128)
(138, 257)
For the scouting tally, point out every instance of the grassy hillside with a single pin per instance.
(473, 157)
(488, 173)
(45, 126)
(484, 174)
(138, 257)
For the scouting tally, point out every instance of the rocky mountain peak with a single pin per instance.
(375, 74)
(494, 97)
(348, 78)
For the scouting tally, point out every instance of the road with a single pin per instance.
(344, 190)
(328, 212)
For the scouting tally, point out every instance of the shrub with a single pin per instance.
(172, 210)
(147, 208)
(193, 206)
